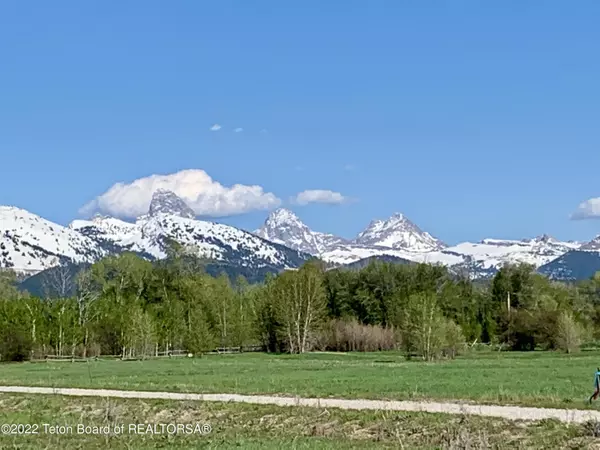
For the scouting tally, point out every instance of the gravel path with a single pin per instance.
(506, 412)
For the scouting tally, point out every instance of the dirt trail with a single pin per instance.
(506, 412)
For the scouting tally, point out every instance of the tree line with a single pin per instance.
(127, 306)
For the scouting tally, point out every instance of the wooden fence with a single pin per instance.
(157, 355)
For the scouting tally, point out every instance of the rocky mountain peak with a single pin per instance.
(544, 238)
(396, 217)
(398, 232)
(283, 217)
(167, 202)
(285, 227)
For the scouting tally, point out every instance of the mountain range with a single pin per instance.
(398, 237)
(30, 244)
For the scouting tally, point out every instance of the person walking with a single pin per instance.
(596, 386)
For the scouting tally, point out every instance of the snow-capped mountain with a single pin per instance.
(115, 235)
(30, 244)
(285, 228)
(396, 236)
(578, 264)
(348, 254)
(481, 259)
(169, 218)
(592, 246)
(486, 257)
(400, 238)
(398, 232)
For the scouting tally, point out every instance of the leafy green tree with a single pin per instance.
(460, 302)
(454, 338)
(140, 336)
(123, 280)
(16, 343)
(266, 322)
(64, 332)
(424, 327)
(568, 333)
(8, 284)
(301, 306)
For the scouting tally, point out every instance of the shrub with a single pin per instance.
(352, 336)
(94, 350)
(454, 339)
(568, 333)
(424, 327)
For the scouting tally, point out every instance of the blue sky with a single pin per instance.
(474, 119)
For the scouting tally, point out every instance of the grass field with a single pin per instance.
(533, 379)
(271, 427)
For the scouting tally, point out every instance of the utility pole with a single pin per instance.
(508, 312)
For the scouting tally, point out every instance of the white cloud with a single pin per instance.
(238, 130)
(590, 209)
(349, 167)
(215, 127)
(319, 196)
(204, 195)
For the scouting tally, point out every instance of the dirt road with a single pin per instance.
(506, 412)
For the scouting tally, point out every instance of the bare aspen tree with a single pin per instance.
(32, 309)
(87, 294)
(58, 281)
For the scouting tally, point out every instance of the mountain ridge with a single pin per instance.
(168, 218)
(398, 237)
(30, 244)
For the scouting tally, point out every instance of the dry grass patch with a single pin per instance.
(266, 426)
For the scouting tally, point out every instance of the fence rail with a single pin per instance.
(155, 355)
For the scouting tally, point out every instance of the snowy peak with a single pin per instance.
(168, 221)
(167, 202)
(29, 244)
(592, 246)
(398, 217)
(283, 217)
(284, 227)
(113, 235)
(543, 239)
(375, 226)
(398, 232)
